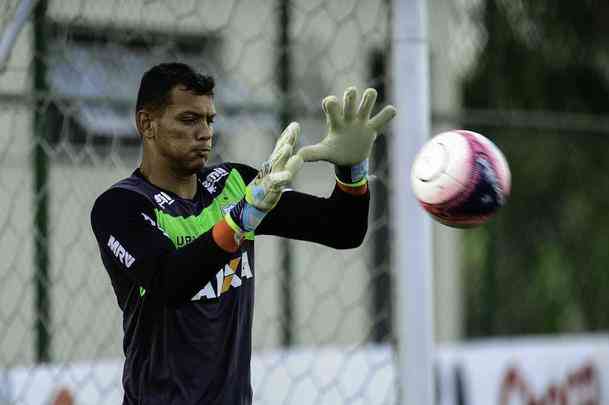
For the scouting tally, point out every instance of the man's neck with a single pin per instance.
(184, 186)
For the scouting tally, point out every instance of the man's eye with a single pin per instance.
(189, 121)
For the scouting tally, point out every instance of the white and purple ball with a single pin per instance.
(461, 178)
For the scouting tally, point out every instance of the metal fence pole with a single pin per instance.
(40, 167)
(284, 78)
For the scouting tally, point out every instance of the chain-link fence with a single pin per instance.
(67, 117)
(323, 327)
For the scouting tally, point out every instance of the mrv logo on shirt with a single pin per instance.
(120, 252)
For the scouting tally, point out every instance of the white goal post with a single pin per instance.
(412, 250)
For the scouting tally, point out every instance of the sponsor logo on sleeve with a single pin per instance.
(120, 252)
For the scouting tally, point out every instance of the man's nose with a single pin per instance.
(204, 132)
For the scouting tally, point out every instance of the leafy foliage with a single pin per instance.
(543, 265)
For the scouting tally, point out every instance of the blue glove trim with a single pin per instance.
(246, 216)
(352, 174)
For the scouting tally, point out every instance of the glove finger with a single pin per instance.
(382, 118)
(365, 107)
(288, 136)
(313, 153)
(294, 165)
(281, 158)
(295, 129)
(291, 133)
(278, 144)
(279, 180)
(349, 103)
(331, 108)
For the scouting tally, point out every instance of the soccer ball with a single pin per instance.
(460, 178)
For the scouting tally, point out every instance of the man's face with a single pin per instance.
(184, 130)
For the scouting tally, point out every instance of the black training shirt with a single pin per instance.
(187, 304)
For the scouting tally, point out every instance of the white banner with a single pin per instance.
(523, 371)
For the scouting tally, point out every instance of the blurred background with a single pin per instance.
(520, 304)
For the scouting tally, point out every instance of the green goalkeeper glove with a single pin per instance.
(264, 192)
(351, 133)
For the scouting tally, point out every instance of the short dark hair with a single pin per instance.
(158, 81)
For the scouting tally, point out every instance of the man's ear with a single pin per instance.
(146, 125)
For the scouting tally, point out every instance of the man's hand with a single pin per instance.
(264, 192)
(351, 131)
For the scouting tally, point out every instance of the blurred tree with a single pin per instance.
(543, 265)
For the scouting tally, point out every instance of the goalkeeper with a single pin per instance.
(177, 236)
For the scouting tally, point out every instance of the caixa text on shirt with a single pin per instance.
(230, 276)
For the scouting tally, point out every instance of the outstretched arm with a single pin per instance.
(339, 221)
